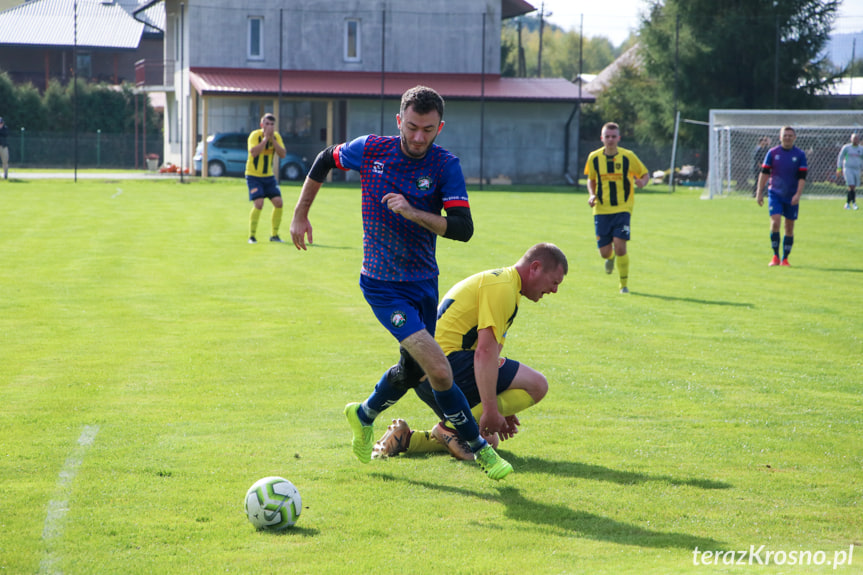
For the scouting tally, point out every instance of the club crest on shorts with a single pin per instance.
(423, 183)
(398, 319)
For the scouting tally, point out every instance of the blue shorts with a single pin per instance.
(779, 205)
(609, 226)
(404, 308)
(263, 187)
(465, 378)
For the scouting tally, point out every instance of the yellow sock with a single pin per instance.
(509, 402)
(423, 442)
(277, 220)
(623, 269)
(254, 216)
(611, 255)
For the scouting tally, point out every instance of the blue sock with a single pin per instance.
(456, 409)
(384, 396)
(786, 248)
(774, 242)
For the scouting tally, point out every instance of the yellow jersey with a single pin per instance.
(487, 299)
(261, 165)
(615, 179)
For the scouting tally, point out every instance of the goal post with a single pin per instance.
(735, 136)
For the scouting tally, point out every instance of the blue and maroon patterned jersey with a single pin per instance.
(786, 167)
(395, 248)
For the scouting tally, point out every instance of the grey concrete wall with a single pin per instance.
(441, 36)
(523, 143)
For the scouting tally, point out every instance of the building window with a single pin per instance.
(256, 38)
(84, 65)
(352, 41)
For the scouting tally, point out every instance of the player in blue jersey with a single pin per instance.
(406, 181)
(785, 165)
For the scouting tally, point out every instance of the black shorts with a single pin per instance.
(465, 378)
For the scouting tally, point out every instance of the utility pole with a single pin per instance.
(522, 66)
(542, 15)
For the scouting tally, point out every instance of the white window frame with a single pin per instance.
(357, 23)
(250, 48)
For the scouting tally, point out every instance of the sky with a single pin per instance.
(568, 14)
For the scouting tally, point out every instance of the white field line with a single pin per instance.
(58, 507)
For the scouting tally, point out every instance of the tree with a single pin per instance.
(104, 107)
(560, 50)
(728, 58)
(31, 111)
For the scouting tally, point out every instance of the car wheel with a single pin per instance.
(292, 172)
(215, 169)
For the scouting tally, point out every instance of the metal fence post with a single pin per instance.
(22, 145)
(98, 148)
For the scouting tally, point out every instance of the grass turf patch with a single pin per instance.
(716, 407)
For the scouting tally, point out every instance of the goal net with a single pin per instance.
(736, 147)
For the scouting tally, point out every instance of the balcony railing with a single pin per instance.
(154, 73)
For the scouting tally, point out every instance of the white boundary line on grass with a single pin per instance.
(55, 518)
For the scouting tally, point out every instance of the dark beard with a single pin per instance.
(407, 151)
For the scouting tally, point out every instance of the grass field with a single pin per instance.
(153, 365)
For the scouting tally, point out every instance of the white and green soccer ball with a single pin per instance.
(273, 503)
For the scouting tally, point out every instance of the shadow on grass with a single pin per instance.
(568, 521)
(692, 300)
(599, 473)
(294, 531)
(833, 270)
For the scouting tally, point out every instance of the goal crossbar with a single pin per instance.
(735, 136)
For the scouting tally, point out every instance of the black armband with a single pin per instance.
(801, 174)
(459, 224)
(322, 165)
(765, 170)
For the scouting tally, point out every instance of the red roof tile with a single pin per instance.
(211, 81)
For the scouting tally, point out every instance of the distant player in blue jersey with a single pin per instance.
(406, 181)
(786, 167)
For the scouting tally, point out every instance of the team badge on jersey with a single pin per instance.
(398, 319)
(423, 183)
(378, 167)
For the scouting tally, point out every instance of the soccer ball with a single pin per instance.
(273, 503)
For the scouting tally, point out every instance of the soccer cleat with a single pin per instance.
(785, 263)
(252, 240)
(847, 207)
(854, 206)
(624, 290)
(774, 261)
(394, 441)
(493, 464)
(363, 440)
(609, 265)
(277, 239)
(456, 446)
(492, 438)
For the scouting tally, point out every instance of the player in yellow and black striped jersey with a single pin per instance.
(474, 317)
(264, 144)
(613, 173)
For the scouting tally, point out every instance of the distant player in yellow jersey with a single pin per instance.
(613, 173)
(264, 144)
(474, 317)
